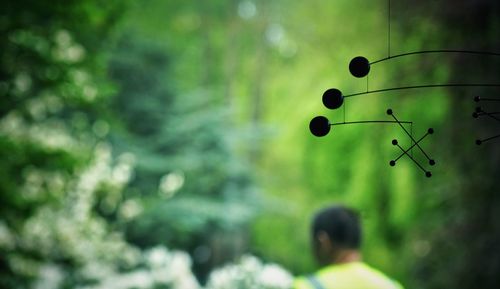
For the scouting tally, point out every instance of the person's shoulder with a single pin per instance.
(301, 283)
(381, 278)
(354, 275)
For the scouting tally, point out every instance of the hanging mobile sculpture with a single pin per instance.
(359, 67)
(415, 143)
(479, 112)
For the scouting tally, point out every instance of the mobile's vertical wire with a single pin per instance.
(345, 104)
(405, 152)
(411, 132)
(389, 28)
(417, 163)
(409, 135)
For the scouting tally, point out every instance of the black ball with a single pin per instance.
(477, 98)
(389, 111)
(333, 98)
(479, 142)
(319, 126)
(430, 131)
(392, 163)
(394, 141)
(432, 162)
(359, 66)
(428, 174)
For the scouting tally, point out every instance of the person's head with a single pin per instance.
(335, 230)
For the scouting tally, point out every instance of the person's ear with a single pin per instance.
(324, 241)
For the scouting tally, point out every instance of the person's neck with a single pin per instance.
(346, 256)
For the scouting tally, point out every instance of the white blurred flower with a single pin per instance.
(127, 158)
(171, 183)
(135, 279)
(247, 9)
(22, 265)
(171, 268)
(162, 267)
(37, 108)
(130, 209)
(50, 276)
(12, 124)
(180, 259)
(274, 276)
(131, 256)
(66, 49)
(51, 135)
(53, 103)
(80, 76)
(100, 128)
(6, 237)
(22, 82)
(75, 53)
(275, 34)
(63, 38)
(182, 277)
(158, 256)
(121, 173)
(250, 273)
(96, 270)
(250, 263)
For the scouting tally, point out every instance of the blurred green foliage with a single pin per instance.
(52, 82)
(127, 126)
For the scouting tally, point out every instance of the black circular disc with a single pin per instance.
(430, 130)
(319, 126)
(359, 66)
(428, 174)
(389, 111)
(392, 163)
(333, 98)
(432, 162)
(394, 141)
(479, 142)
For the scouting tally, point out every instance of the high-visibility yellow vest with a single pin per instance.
(354, 275)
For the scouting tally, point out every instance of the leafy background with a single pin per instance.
(128, 126)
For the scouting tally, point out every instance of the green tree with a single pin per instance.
(196, 190)
(53, 170)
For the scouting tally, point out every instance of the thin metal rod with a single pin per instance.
(420, 166)
(411, 137)
(408, 149)
(369, 121)
(481, 112)
(490, 138)
(425, 86)
(435, 51)
(492, 116)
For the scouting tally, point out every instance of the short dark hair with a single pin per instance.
(341, 224)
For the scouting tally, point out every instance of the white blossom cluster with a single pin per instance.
(161, 267)
(171, 269)
(250, 273)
